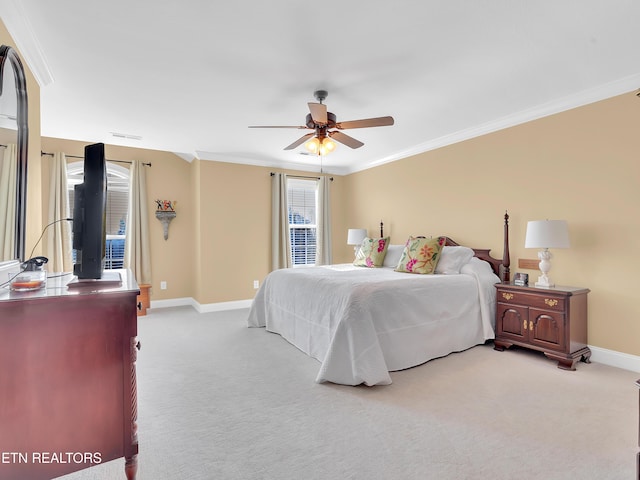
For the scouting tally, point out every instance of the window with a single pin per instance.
(117, 206)
(302, 202)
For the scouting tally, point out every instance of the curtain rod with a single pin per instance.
(107, 159)
(271, 174)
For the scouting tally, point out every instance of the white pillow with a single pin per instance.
(480, 267)
(452, 259)
(394, 252)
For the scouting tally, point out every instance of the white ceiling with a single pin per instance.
(190, 76)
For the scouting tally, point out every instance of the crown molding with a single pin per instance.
(20, 29)
(187, 157)
(239, 159)
(579, 99)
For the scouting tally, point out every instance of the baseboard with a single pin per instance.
(172, 302)
(615, 359)
(201, 308)
(221, 306)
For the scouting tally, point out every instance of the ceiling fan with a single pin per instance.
(322, 122)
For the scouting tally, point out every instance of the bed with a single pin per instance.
(362, 323)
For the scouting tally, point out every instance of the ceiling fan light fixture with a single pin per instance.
(313, 145)
(320, 146)
(327, 146)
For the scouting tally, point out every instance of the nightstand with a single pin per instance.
(551, 320)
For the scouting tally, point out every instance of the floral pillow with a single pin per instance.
(371, 253)
(420, 255)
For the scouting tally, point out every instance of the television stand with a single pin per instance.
(68, 396)
(108, 279)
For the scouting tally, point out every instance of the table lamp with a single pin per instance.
(546, 234)
(355, 236)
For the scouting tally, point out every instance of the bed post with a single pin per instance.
(506, 261)
(381, 230)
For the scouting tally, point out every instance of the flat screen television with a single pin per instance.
(89, 215)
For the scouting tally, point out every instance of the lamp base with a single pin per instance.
(544, 281)
(545, 265)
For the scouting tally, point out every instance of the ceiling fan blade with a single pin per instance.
(367, 122)
(279, 126)
(346, 139)
(318, 113)
(300, 141)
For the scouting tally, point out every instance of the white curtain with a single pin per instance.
(323, 223)
(58, 247)
(8, 173)
(137, 245)
(280, 242)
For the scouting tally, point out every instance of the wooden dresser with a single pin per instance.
(551, 320)
(67, 379)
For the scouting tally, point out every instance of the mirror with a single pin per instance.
(14, 135)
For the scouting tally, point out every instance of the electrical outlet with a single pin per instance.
(256, 284)
(163, 285)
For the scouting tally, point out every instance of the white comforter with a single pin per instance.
(362, 323)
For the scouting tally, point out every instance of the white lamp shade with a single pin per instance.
(355, 236)
(547, 234)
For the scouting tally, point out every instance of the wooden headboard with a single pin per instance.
(500, 266)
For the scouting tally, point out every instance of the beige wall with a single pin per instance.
(582, 165)
(219, 242)
(235, 228)
(168, 178)
(234, 214)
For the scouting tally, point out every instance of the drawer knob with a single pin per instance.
(552, 302)
(507, 296)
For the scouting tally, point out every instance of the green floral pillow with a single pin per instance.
(371, 253)
(420, 255)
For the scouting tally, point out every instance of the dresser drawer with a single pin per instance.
(547, 302)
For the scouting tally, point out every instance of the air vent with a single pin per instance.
(126, 135)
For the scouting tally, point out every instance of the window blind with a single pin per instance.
(302, 205)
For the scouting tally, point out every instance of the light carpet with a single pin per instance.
(218, 400)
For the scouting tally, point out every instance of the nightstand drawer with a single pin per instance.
(547, 302)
